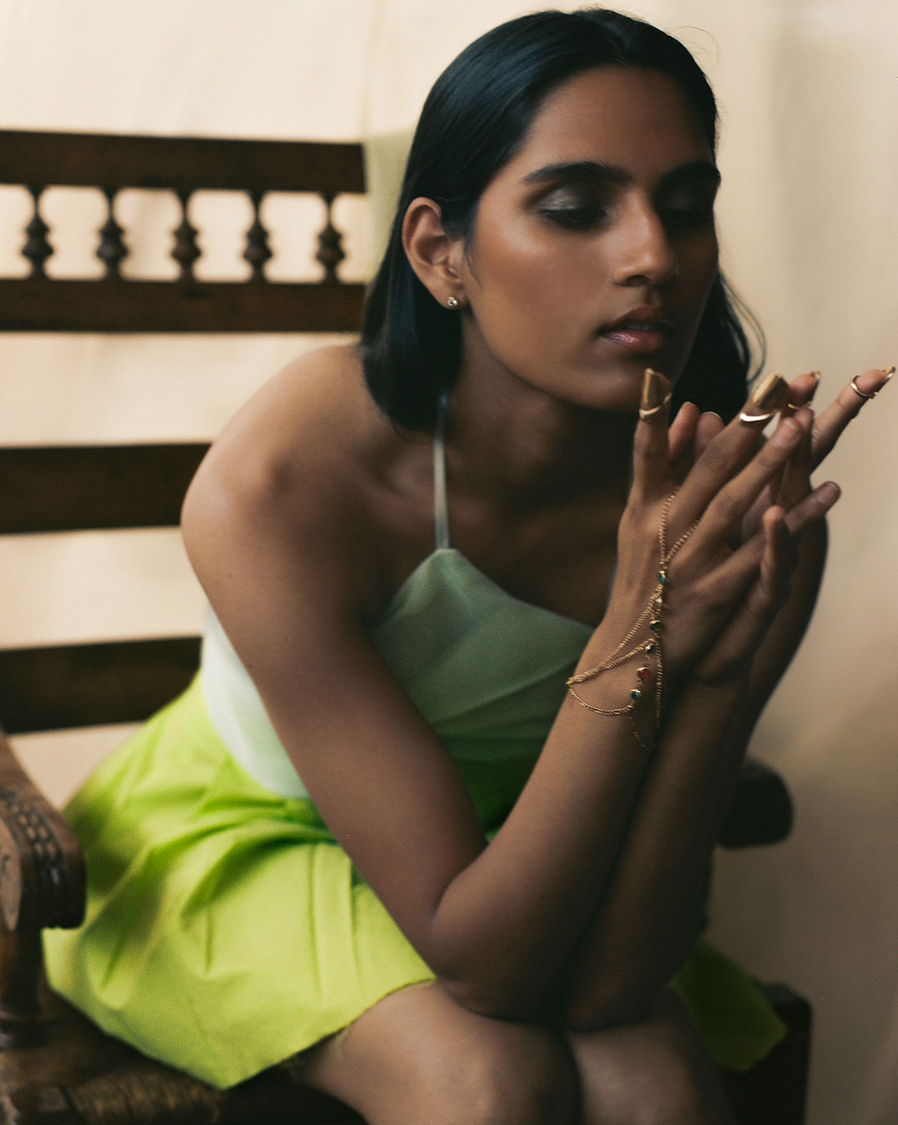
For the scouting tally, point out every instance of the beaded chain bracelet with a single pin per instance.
(649, 647)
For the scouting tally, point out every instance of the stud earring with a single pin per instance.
(453, 302)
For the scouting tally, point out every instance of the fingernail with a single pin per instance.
(829, 493)
(815, 375)
(766, 399)
(654, 395)
(888, 372)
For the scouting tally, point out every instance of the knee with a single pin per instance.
(656, 1073)
(514, 1075)
(678, 1093)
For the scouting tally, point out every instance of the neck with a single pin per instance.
(526, 448)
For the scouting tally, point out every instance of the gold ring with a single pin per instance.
(857, 390)
(648, 413)
(744, 416)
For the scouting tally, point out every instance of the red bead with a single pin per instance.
(644, 673)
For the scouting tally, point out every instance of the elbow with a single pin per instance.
(494, 999)
(588, 1013)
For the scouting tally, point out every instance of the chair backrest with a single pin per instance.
(52, 489)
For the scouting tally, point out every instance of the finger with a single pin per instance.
(802, 390)
(796, 476)
(681, 432)
(746, 629)
(709, 426)
(650, 442)
(743, 564)
(728, 452)
(847, 406)
(720, 517)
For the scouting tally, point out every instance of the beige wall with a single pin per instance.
(809, 97)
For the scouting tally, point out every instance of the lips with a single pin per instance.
(642, 330)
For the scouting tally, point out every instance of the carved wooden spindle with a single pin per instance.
(20, 966)
(112, 249)
(330, 244)
(37, 248)
(186, 249)
(257, 250)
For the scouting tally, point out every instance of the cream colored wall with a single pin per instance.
(809, 98)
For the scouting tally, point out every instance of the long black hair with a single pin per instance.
(474, 120)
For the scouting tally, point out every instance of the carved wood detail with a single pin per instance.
(112, 250)
(257, 251)
(37, 248)
(330, 244)
(186, 249)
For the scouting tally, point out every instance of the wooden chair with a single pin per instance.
(56, 1068)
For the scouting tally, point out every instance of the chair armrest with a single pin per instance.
(41, 867)
(760, 809)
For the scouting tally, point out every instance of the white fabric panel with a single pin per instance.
(809, 97)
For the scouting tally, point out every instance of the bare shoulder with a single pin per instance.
(290, 475)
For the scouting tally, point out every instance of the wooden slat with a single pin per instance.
(79, 488)
(67, 686)
(113, 305)
(179, 163)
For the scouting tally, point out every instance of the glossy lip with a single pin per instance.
(642, 331)
(644, 317)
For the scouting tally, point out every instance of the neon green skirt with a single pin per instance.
(226, 930)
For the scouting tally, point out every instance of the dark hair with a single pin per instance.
(473, 121)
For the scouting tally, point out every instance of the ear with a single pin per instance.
(432, 254)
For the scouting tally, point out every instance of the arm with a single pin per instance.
(279, 543)
(652, 911)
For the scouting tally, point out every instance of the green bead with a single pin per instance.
(656, 626)
(635, 694)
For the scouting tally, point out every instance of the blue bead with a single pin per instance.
(635, 694)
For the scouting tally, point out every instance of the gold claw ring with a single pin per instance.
(857, 390)
(646, 413)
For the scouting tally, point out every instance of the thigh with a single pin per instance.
(655, 1072)
(417, 1056)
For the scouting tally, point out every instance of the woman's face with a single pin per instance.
(594, 248)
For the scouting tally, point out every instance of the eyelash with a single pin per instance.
(587, 216)
(687, 218)
(575, 218)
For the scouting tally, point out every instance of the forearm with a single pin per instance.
(507, 922)
(651, 911)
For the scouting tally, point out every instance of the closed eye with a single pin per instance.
(687, 216)
(574, 218)
(575, 207)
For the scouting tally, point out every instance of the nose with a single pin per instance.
(644, 251)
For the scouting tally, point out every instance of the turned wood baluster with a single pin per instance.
(186, 250)
(257, 251)
(330, 244)
(112, 250)
(37, 248)
(20, 968)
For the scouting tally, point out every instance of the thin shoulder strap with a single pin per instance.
(440, 501)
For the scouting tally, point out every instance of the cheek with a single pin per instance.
(523, 286)
(702, 262)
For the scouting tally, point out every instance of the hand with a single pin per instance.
(691, 432)
(710, 577)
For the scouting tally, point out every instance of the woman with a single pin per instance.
(490, 636)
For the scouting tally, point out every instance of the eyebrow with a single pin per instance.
(598, 171)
